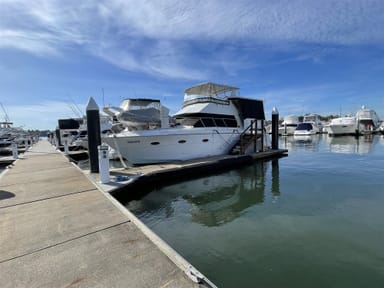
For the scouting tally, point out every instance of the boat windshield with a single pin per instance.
(304, 126)
(311, 118)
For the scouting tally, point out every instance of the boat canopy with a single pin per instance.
(210, 89)
(139, 103)
(5, 124)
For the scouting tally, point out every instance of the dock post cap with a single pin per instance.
(103, 146)
(274, 110)
(92, 105)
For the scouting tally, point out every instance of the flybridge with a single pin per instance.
(210, 89)
(209, 93)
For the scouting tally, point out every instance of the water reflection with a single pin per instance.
(310, 142)
(216, 199)
(352, 144)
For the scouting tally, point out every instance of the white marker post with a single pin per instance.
(66, 149)
(15, 154)
(103, 163)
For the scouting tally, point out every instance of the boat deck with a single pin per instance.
(59, 230)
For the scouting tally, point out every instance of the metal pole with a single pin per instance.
(94, 138)
(275, 129)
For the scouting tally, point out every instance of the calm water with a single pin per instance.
(312, 219)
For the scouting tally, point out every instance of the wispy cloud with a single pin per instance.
(47, 112)
(311, 99)
(160, 37)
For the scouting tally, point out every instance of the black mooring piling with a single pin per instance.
(275, 128)
(58, 138)
(94, 138)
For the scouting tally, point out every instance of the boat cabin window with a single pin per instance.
(304, 126)
(227, 121)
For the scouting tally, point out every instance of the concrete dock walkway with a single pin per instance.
(58, 230)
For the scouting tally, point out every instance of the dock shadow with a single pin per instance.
(6, 195)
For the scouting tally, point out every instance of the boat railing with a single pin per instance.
(250, 136)
(205, 100)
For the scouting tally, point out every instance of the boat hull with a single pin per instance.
(165, 145)
(342, 129)
(287, 130)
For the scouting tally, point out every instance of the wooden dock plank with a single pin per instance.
(58, 230)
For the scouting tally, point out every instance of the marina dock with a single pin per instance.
(57, 229)
(139, 180)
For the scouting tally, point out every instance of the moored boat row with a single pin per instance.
(213, 120)
(365, 121)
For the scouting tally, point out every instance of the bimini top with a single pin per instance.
(209, 93)
(210, 89)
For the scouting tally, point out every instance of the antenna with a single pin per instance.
(78, 111)
(5, 113)
(102, 89)
(72, 107)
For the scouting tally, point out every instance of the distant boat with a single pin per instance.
(139, 113)
(289, 125)
(305, 129)
(315, 120)
(367, 121)
(343, 126)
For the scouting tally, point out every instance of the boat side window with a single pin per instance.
(195, 122)
(208, 122)
(205, 140)
(220, 122)
(155, 143)
(198, 123)
(182, 141)
(230, 122)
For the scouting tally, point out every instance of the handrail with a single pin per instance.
(249, 136)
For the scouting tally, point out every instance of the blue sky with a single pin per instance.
(302, 56)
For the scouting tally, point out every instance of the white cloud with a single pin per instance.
(159, 37)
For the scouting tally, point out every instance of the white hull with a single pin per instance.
(306, 129)
(340, 129)
(288, 130)
(305, 132)
(173, 144)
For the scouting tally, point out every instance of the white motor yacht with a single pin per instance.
(367, 120)
(343, 126)
(314, 119)
(140, 113)
(289, 125)
(209, 123)
(305, 129)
